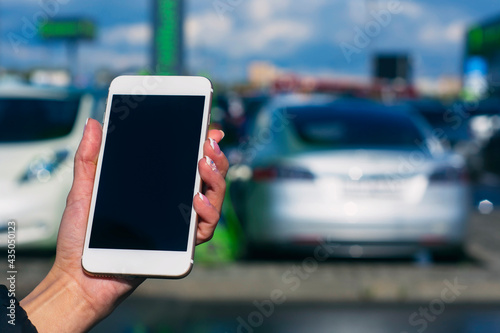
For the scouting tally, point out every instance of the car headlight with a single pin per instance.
(43, 167)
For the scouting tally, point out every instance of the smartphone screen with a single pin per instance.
(145, 191)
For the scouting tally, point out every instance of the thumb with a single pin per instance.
(86, 163)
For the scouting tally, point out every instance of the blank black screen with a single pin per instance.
(145, 191)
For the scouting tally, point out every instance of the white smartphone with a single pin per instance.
(142, 221)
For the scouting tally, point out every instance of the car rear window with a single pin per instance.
(24, 120)
(350, 127)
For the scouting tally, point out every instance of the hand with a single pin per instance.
(68, 300)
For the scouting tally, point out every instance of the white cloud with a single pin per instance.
(209, 30)
(437, 34)
(132, 34)
(286, 33)
(357, 11)
(260, 10)
(412, 9)
(455, 31)
(109, 58)
(25, 53)
(90, 58)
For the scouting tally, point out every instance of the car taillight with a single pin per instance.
(449, 174)
(281, 172)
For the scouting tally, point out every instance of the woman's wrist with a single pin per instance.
(58, 304)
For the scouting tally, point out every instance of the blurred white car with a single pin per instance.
(40, 129)
(369, 178)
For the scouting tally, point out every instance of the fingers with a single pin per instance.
(208, 218)
(215, 185)
(213, 168)
(217, 135)
(208, 206)
(86, 163)
(211, 149)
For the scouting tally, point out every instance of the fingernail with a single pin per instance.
(223, 134)
(204, 199)
(214, 146)
(211, 163)
(84, 127)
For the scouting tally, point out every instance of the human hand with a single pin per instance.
(68, 299)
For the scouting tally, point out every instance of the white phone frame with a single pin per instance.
(165, 264)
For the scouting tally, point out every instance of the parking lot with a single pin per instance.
(325, 295)
(355, 133)
(307, 279)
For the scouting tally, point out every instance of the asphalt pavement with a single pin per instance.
(139, 314)
(309, 280)
(301, 295)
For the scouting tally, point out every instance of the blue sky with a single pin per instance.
(224, 36)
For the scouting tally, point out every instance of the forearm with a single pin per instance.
(58, 304)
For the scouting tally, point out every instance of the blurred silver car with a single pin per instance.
(369, 178)
(40, 129)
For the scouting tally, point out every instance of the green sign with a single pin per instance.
(168, 37)
(68, 29)
(483, 40)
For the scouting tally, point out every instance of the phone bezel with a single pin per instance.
(166, 264)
